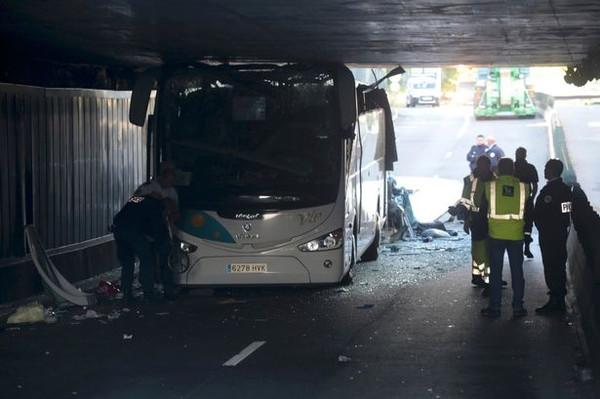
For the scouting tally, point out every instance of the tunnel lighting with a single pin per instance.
(329, 241)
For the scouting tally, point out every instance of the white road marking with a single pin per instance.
(247, 351)
(463, 129)
(448, 155)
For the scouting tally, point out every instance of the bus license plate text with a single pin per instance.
(247, 268)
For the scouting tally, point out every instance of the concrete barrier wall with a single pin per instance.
(584, 238)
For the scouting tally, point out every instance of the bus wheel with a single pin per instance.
(348, 279)
(372, 253)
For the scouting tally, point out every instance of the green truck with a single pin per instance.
(503, 93)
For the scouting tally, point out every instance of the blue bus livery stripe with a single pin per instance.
(204, 226)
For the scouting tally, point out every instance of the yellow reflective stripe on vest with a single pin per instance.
(509, 216)
(472, 200)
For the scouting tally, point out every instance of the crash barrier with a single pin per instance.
(556, 135)
(56, 285)
(584, 269)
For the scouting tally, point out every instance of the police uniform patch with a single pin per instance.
(492, 155)
(136, 199)
(508, 191)
(548, 199)
(565, 207)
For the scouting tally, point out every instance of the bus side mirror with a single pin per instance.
(346, 93)
(140, 96)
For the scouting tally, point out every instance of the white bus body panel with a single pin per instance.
(273, 239)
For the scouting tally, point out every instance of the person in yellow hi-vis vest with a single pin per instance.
(506, 198)
(476, 222)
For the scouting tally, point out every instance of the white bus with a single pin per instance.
(278, 183)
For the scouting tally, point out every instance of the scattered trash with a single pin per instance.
(127, 337)
(427, 239)
(344, 359)
(126, 310)
(365, 306)
(435, 233)
(342, 290)
(89, 314)
(114, 315)
(394, 248)
(107, 290)
(585, 374)
(50, 316)
(30, 313)
(47, 353)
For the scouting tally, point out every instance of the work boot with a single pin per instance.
(518, 313)
(528, 253)
(554, 305)
(478, 281)
(128, 298)
(504, 283)
(490, 313)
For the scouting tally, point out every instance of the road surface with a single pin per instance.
(409, 326)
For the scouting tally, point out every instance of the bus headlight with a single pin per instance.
(187, 248)
(333, 240)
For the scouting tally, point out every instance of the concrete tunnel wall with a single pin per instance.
(69, 158)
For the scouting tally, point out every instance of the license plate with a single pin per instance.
(247, 268)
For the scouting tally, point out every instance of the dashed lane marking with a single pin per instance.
(247, 351)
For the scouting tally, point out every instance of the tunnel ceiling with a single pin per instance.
(417, 32)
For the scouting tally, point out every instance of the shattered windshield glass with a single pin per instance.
(263, 137)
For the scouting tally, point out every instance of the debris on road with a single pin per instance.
(127, 337)
(114, 315)
(339, 290)
(344, 359)
(89, 314)
(107, 289)
(31, 313)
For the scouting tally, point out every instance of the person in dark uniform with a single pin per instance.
(140, 229)
(476, 151)
(552, 218)
(526, 173)
(494, 152)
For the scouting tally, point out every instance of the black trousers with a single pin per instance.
(554, 256)
(132, 243)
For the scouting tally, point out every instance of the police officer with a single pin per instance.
(476, 220)
(552, 218)
(139, 229)
(506, 198)
(476, 151)
(494, 152)
(526, 173)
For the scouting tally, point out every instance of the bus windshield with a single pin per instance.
(252, 137)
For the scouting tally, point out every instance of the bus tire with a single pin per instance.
(348, 278)
(372, 253)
